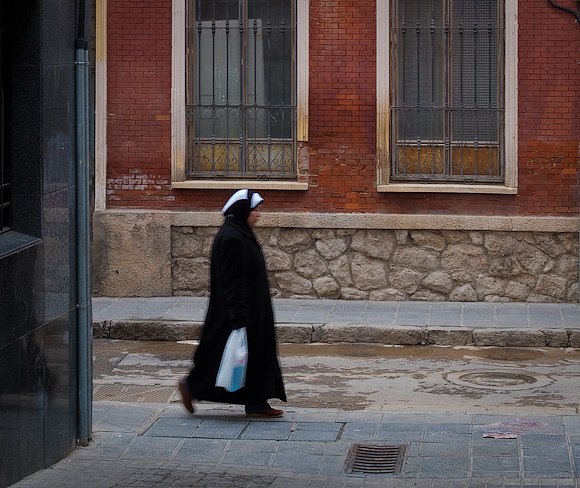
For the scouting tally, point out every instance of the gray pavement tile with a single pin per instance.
(398, 438)
(444, 467)
(571, 317)
(385, 307)
(547, 467)
(285, 316)
(303, 447)
(534, 439)
(445, 319)
(123, 418)
(449, 438)
(576, 450)
(201, 450)
(545, 320)
(105, 445)
(344, 317)
(435, 449)
(360, 416)
(253, 445)
(333, 465)
(307, 316)
(313, 435)
(436, 428)
(282, 304)
(173, 427)
(511, 307)
(358, 306)
(152, 447)
(411, 319)
(572, 424)
(478, 320)
(293, 460)
(338, 448)
(510, 320)
(220, 429)
(312, 416)
(546, 450)
(482, 465)
(184, 314)
(414, 307)
(359, 431)
(479, 307)
(268, 430)
(496, 447)
(246, 458)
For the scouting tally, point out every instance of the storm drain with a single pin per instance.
(372, 459)
(133, 393)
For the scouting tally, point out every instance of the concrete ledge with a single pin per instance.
(287, 333)
(450, 337)
(147, 330)
(294, 333)
(315, 220)
(509, 338)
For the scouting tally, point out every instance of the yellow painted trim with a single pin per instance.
(101, 105)
(237, 184)
(445, 188)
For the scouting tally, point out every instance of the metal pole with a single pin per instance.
(84, 336)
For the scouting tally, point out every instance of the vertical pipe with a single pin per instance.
(84, 336)
(577, 15)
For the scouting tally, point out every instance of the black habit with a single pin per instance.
(239, 297)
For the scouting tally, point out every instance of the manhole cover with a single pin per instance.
(497, 380)
(372, 459)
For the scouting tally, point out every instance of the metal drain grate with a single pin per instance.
(373, 459)
(133, 393)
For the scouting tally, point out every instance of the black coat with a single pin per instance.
(239, 297)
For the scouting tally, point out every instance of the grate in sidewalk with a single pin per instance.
(133, 393)
(373, 459)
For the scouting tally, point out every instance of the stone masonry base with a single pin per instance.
(347, 256)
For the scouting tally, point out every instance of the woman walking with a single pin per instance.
(239, 297)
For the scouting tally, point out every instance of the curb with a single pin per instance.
(155, 330)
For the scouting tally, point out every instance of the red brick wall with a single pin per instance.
(342, 121)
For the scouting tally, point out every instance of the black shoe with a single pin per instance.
(186, 397)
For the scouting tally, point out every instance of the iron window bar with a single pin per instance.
(241, 103)
(447, 103)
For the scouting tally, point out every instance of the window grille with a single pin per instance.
(240, 89)
(5, 206)
(447, 97)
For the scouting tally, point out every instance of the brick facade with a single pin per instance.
(342, 136)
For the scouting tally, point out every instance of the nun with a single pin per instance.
(239, 297)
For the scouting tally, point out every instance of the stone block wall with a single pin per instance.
(397, 264)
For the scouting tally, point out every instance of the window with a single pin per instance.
(5, 206)
(241, 89)
(450, 94)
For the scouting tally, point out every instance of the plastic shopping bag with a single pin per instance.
(232, 372)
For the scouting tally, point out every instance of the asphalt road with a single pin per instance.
(514, 381)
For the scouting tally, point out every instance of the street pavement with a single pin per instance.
(161, 445)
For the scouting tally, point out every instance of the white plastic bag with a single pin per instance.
(232, 372)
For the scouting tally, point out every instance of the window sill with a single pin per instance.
(439, 188)
(12, 242)
(237, 184)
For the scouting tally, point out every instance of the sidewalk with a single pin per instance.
(154, 445)
(160, 445)
(405, 323)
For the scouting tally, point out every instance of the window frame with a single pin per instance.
(384, 183)
(178, 105)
